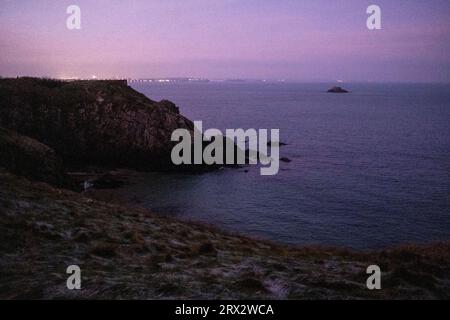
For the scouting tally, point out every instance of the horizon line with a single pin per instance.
(228, 79)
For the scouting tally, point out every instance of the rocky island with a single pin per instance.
(337, 89)
(132, 253)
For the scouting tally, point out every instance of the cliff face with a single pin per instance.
(30, 158)
(96, 122)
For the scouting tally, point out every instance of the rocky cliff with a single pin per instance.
(95, 122)
(30, 158)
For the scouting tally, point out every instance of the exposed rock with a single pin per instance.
(29, 158)
(337, 89)
(276, 143)
(98, 122)
(107, 181)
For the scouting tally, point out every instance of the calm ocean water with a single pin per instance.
(369, 169)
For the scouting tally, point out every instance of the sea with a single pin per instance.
(369, 169)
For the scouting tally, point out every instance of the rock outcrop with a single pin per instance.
(337, 90)
(95, 122)
(30, 158)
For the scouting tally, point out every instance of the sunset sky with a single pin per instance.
(318, 40)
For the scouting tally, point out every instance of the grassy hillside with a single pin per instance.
(132, 253)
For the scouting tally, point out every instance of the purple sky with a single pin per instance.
(291, 39)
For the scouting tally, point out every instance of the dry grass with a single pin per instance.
(133, 254)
